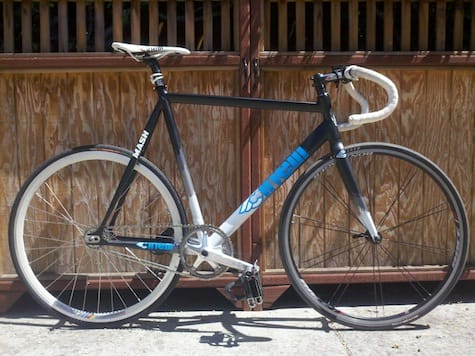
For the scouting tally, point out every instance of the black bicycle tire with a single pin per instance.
(330, 311)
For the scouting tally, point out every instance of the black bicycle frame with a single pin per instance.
(326, 131)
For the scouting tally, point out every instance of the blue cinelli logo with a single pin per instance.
(275, 180)
(155, 246)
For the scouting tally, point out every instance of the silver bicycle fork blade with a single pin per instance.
(357, 200)
(366, 219)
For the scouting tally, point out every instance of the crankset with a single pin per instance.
(192, 251)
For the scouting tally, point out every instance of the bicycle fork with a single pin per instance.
(357, 200)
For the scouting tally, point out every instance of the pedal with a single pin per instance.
(251, 284)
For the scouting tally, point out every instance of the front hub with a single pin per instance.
(376, 240)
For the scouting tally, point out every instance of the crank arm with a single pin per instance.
(216, 256)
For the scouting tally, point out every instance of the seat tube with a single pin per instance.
(172, 128)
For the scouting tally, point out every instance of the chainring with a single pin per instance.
(190, 252)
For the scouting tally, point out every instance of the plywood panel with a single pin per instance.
(81, 109)
(45, 113)
(211, 141)
(421, 122)
(462, 141)
(9, 182)
(282, 133)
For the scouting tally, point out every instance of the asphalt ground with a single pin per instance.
(202, 322)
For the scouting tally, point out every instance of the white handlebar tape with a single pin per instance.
(354, 73)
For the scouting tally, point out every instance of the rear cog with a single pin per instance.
(191, 249)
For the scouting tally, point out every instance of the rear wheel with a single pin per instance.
(61, 204)
(421, 221)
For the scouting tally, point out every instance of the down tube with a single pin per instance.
(265, 190)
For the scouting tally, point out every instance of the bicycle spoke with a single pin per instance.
(343, 287)
(331, 254)
(433, 211)
(333, 192)
(326, 226)
(401, 190)
(66, 217)
(323, 236)
(412, 280)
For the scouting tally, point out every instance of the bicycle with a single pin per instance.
(103, 252)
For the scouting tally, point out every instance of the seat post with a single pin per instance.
(157, 77)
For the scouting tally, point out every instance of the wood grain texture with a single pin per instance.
(9, 164)
(81, 32)
(8, 30)
(45, 113)
(462, 138)
(422, 120)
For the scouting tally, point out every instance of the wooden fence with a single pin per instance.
(45, 113)
(52, 100)
(300, 25)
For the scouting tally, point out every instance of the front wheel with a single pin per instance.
(62, 203)
(339, 270)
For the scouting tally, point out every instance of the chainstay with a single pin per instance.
(148, 264)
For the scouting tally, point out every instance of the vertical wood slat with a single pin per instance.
(388, 25)
(406, 25)
(207, 26)
(300, 21)
(99, 25)
(45, 35)
(423, 44)
(458, 25)
(370, 25)
(9, 148)
(353, 25)
(81, 34)
(462, 129)
(26, 38)
(318, 25)
(440, 15)
(225, 25)
(190, 25)
(63, 35)
(335, 25)
(135, 21)
(153, 22)
(256, 29)
(8, 34)
(117, 20)
(282, 21)
(171, 22)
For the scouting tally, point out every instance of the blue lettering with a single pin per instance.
(155, 246)
(274, 181)
(283, 172)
